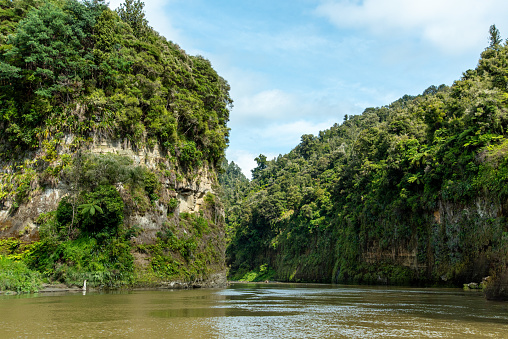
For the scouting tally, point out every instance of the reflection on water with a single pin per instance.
(257, 311)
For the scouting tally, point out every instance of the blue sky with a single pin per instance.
(297, 67)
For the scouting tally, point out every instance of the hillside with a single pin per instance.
(414, 192)
(111, 139)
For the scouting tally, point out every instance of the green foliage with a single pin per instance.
(72, 74)
(90, 209)
(188, 250)
(179, 256)
(79, 68)
(103, 264)
(110, 217)
(77, 244)
(261, 162)
(131, 11)
(95, 206)
(263, 273)
(173, 203)
(422, 178)
(15, 276)
(64, 212)
(92, 170)
(495, 37)
(16, 182)
(201, 226)
(9, 246)
(152, 185)
(190, 155)
(233, 184)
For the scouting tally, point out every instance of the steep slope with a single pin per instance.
(413, 192)
(111, 136)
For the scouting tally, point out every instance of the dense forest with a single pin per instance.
(415, 192)
(74, 74)
(78, 67)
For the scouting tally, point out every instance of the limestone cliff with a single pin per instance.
(452, 244)
(179, 197)
(110, 137)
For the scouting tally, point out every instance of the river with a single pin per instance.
(257, 311)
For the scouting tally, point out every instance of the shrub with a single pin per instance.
(152, 185)
(497, 287)
(16, 276)
(173, 203)
(112, 206)
(103, 264)
(190, 156)
(64, 212)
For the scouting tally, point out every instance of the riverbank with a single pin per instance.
(215, 281)
(59, 288)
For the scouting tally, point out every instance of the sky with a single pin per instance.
(298, 66)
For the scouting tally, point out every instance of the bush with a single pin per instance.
(15, 276)
(9, 246)
(189, 155)
(103, 264)
(92, 170)
(263, 273)
(64, 212)
(173, 204)
(109, 221)
(152, 185)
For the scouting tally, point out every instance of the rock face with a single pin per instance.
(189, 192)
(454, 244)
(447, 221)
(21, 223)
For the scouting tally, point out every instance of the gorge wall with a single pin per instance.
(413, 192)
(111, 139)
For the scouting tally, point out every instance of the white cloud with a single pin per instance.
(271, 106)
(290, 39)
(454, 26)
(267, 105)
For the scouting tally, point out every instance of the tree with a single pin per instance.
(495, 37)
(107, 201)
(431, 90)
(131, 12)
(307, 145)
(262, 164)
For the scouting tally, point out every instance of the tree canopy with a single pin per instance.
(76, 67)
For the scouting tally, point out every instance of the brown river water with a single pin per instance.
(257, 311)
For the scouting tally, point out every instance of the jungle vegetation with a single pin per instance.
(414, 192)
(77, 67)
(74, 73)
